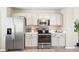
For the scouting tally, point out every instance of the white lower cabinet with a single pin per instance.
(34, 40)
(58, 39)
(54, 42)
(31, 40)
(62, 40)
(28, 41)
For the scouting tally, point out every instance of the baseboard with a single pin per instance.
(2, 50)
(69, 47)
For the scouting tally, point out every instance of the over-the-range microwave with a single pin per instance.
(43, 22)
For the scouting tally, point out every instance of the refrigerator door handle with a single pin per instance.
(13, 37)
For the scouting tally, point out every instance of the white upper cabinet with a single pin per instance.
(40, 16)
(56, 19)
(59, 19)
(46, 16)
(9, 11)
(29, 19)
(34, 19)
(52, 19)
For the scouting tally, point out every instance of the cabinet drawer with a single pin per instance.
(27, 37)
(58, 35)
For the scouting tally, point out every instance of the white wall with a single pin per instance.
(0, 28)
(3, 14)
(68, 27)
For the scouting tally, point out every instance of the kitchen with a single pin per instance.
(53, 22)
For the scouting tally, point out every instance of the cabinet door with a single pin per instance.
(28, 40)
(58, 19)
(29, 19)
(54, 41)
(58, 40)
(9, 10)
(62, 40)
(34, 18)
(45, 16)
(40, 16)
(34, 40)
(52, 19)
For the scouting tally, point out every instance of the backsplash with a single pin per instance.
(35, 29)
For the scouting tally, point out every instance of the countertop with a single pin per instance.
(44, 34)
(31, 32)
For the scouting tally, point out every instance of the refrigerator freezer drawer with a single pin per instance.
(19, 41)
(9, 42)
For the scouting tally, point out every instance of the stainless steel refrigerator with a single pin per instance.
(15, 33)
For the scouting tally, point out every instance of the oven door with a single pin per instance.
(44, 38)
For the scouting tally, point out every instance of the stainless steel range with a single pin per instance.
(44, 37)
(44, 40)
